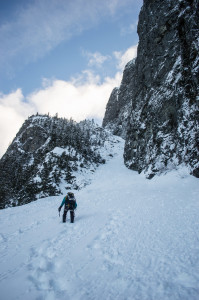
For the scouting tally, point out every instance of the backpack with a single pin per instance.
(70, 201)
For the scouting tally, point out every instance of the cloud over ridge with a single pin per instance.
(84, 96)
(79, 98)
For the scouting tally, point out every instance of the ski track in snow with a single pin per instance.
(132, 239)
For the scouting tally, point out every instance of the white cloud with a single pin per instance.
(124, 57)
(13, 112)
(75, 98)
(120, 58)
(80, 98)
(84, 96)
(95, 59)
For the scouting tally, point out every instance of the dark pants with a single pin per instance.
(72, 215)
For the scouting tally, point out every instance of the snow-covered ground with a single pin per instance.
(132, 238)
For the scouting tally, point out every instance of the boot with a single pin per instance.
(64, 216)
(72, 215)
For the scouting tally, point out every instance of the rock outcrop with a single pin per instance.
(49, 156)
(162, 131)
(119, 104)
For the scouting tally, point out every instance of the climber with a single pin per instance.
(70, 204)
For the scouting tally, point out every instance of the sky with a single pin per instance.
(62, 56)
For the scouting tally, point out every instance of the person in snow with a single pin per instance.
(70, 204)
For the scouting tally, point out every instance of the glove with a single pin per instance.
(59, 209)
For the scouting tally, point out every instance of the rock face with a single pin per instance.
(119, 104)
(162, 131)
(50, 156)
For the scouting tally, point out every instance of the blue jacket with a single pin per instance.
(66, 201)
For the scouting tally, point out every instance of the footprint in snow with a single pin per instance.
(44, 269)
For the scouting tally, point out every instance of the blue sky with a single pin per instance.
(62, 56)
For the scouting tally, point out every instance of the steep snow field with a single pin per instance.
(132, 239)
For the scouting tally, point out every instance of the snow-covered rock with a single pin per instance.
(119, 105)
(158, 112)
(50, 156)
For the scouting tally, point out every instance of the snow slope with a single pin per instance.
(132, 239)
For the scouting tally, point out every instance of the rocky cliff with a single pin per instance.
(119, 105)
(162, 98)
(49, 156)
